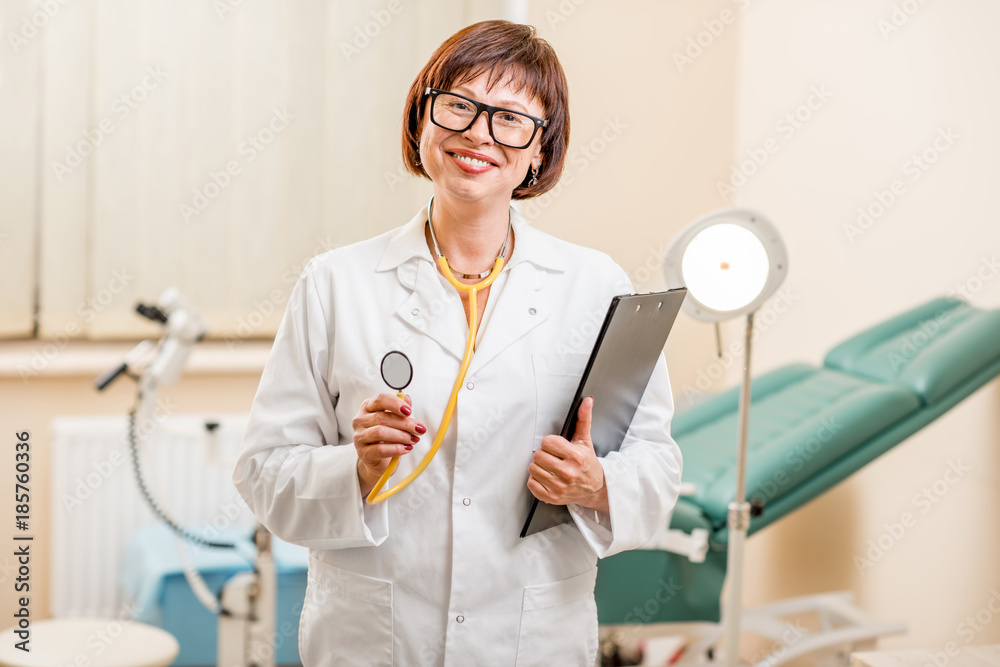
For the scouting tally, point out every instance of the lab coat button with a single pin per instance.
(466, 501)
(415, 312)
(470, 386)
(532, 311)
(460, 618)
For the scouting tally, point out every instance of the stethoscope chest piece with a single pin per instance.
(397, 371)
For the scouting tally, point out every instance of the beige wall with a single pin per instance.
(889, 93)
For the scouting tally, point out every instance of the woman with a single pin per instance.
(437, 573)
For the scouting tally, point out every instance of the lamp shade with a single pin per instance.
(730, 260)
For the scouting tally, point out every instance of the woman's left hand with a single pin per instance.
(565, 472)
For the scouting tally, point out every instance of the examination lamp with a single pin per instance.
(731, 260)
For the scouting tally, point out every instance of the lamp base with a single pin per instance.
(845, 629)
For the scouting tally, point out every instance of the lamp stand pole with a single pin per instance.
(739, 518)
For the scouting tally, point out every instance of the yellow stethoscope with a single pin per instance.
(487, 278)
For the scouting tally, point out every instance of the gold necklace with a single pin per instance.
(467, 276)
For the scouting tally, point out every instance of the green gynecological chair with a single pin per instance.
(810, 428)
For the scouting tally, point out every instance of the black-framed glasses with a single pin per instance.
(457, 113)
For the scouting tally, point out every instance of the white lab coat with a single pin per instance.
(437, 575)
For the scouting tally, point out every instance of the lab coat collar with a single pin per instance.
(434, 310)
(430, 309)
(408, 243)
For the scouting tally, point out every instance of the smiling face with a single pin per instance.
(469, 165)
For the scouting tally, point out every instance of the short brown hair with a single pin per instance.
(498, 49)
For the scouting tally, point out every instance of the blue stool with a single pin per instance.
(153, 580)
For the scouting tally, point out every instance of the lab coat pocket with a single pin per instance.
(559, 623)
(557, 376)
(346, 618)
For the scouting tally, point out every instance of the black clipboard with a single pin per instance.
(628, 346)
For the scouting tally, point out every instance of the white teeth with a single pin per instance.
(471, 160)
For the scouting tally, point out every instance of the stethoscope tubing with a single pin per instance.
(377, 495)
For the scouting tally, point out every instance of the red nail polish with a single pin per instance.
(420, 428)
(415, 439)
(406, 410)
(408, 447)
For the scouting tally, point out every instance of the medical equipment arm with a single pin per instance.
(292, 472)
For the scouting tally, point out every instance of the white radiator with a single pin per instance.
(97, 505)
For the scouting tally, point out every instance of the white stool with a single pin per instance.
(96, 642)
(955, 656)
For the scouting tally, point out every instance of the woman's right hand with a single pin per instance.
(383, 429)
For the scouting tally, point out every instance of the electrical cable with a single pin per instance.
(153, 505)
(208, 599)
